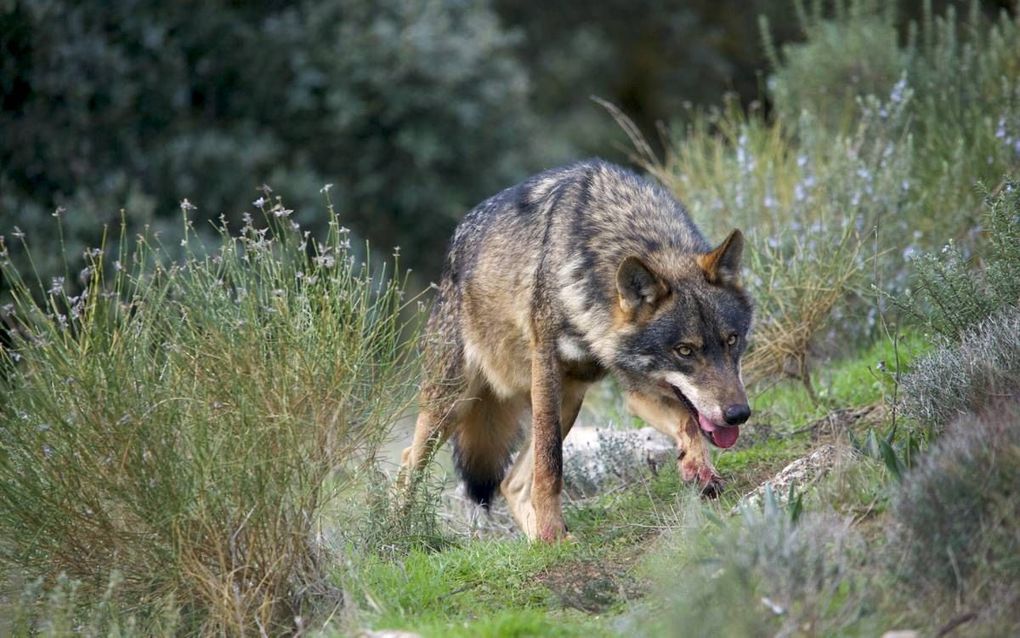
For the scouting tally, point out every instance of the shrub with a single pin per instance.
(966, 377)
(950, 294)
(762, 574)
(963, 74)
(956, 521)
(182, 424)
(866, 160)
(856, 53)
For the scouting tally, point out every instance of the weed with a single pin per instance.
(777, 571)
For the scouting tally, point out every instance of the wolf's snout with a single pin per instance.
(736, 414)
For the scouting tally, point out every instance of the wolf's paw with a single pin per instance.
(713, 487)
(693, 469)
(549, 528)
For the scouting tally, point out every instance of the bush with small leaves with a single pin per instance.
(953, 292)
(954, 380)
(184, 423)
(956, 520)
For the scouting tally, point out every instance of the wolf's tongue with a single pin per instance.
(705, 424)
(721, 436)
(725, 437)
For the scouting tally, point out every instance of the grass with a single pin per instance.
(866, 378)
(449, 588)
(499, 587)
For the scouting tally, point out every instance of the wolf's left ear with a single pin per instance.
(722, 265)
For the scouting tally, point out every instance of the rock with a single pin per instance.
(597, 458)
(594, 459)
(800, 473)
(390, 633)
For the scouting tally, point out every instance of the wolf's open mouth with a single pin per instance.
(719, 435)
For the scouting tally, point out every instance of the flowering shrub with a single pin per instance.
(854, 175)
(177, 427)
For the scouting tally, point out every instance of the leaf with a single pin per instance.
(891, 459)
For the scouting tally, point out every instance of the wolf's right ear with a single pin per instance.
(722, 265)
(638, 286)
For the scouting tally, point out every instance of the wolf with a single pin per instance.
(550, 285)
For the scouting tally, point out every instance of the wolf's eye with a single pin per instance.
(684, 351)
(732, 340)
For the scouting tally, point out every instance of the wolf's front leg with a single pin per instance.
(671, 418)
(516, 487)
(546, 444)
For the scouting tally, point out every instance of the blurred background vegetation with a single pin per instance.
(413, 111)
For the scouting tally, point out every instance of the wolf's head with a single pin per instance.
(683, 328)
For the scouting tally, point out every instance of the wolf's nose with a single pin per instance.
(736, 414)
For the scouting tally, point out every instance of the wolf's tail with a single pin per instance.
(481, 480)
(484, 445)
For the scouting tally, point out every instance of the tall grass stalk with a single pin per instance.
(175, 422)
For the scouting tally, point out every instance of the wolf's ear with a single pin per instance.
(722, 265)
(638, 285)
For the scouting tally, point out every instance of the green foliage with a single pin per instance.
(952, 295)
(897, 454)
(959, 77)
(857, 54)
(136, 105)
(183, 423)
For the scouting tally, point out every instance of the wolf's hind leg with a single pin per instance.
(445, 389)
(516, 487)
(430, 431)
(673, 419)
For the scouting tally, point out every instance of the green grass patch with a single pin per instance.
(863, 379)
(514, 623)
(483, 587)
(513, 587)
(626, 516)
(477, 578)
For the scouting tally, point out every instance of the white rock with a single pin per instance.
(596, 458)
(799, 473)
